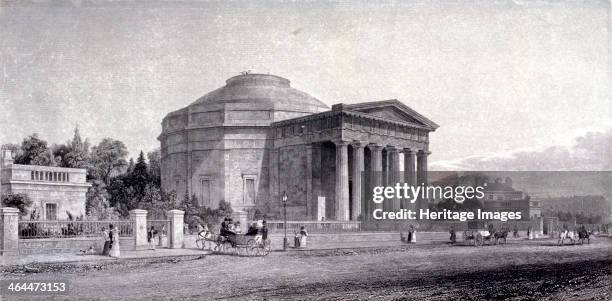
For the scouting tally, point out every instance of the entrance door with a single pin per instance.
(51, 212)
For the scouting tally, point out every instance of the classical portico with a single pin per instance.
(341, 144)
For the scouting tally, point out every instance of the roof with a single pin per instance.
(260, 88)
(402, 111)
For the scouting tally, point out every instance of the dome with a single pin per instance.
(264, 89)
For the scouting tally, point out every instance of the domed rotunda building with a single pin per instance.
(256, 138)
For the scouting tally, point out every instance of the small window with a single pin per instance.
(249, 190)
(205, 194)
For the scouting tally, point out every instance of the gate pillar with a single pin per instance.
(139, 217)
(176, 218)
(9, 236)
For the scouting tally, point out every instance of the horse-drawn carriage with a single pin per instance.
(480, 237)
(239, 244)
(582, 236)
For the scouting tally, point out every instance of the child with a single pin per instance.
(90, 251)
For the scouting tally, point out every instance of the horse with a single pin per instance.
(566, 234)
(584, 234)
(215, 241)
(469, 235)
(500, 235)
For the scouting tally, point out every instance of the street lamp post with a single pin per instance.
(284, 201)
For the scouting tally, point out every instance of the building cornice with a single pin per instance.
(332, 113)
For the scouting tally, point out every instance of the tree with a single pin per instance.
(139, 177)
(34, 151)
(156, 202)
(78, 154)
(97, 205)
(130, 166)
(46, 158)
(154, 158)
(108, 156)
(20, 201)
(120, 194)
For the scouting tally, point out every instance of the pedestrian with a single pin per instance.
(151, 238)
(410, 231)
(453, 235)
(303, 235)
(114, 242)
(296, 239)
(106, 238)
(529, 233)
(264, 231)
(163, 239)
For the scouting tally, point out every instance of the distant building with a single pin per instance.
(501, 196)
(53, 190)
(587, 205)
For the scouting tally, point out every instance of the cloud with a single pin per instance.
(590, 152)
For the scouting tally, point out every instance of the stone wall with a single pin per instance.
(208, 165)
(67, 198)
(69, 245)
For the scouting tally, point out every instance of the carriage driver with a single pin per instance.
(227, 230)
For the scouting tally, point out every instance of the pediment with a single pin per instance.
(393, 110)
(392, 113)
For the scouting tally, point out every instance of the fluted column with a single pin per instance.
(409, 174)
(393, 174)
(358, 167)
(422, 167)
(342, 181)
(375, 173)
(422, 174)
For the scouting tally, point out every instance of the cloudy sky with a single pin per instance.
(513, 84)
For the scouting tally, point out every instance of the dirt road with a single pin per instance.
(520, 270)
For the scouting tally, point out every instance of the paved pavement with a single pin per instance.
(192, 251)
(77, 258)
(160, 253)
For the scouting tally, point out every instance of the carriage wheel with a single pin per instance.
(265, 250)
(228, 248)
(251, 246)
(479, 240)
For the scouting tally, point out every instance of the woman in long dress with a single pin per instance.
(115, 249)
(303, 235)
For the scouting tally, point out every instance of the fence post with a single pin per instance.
(139, 217)
(9, 236)
(176, 228)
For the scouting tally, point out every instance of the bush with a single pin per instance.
(20, 201)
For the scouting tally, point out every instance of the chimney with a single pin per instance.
(6, 158)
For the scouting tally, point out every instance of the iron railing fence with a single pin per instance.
(314, 226)
(70, 229)
(162, 226)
